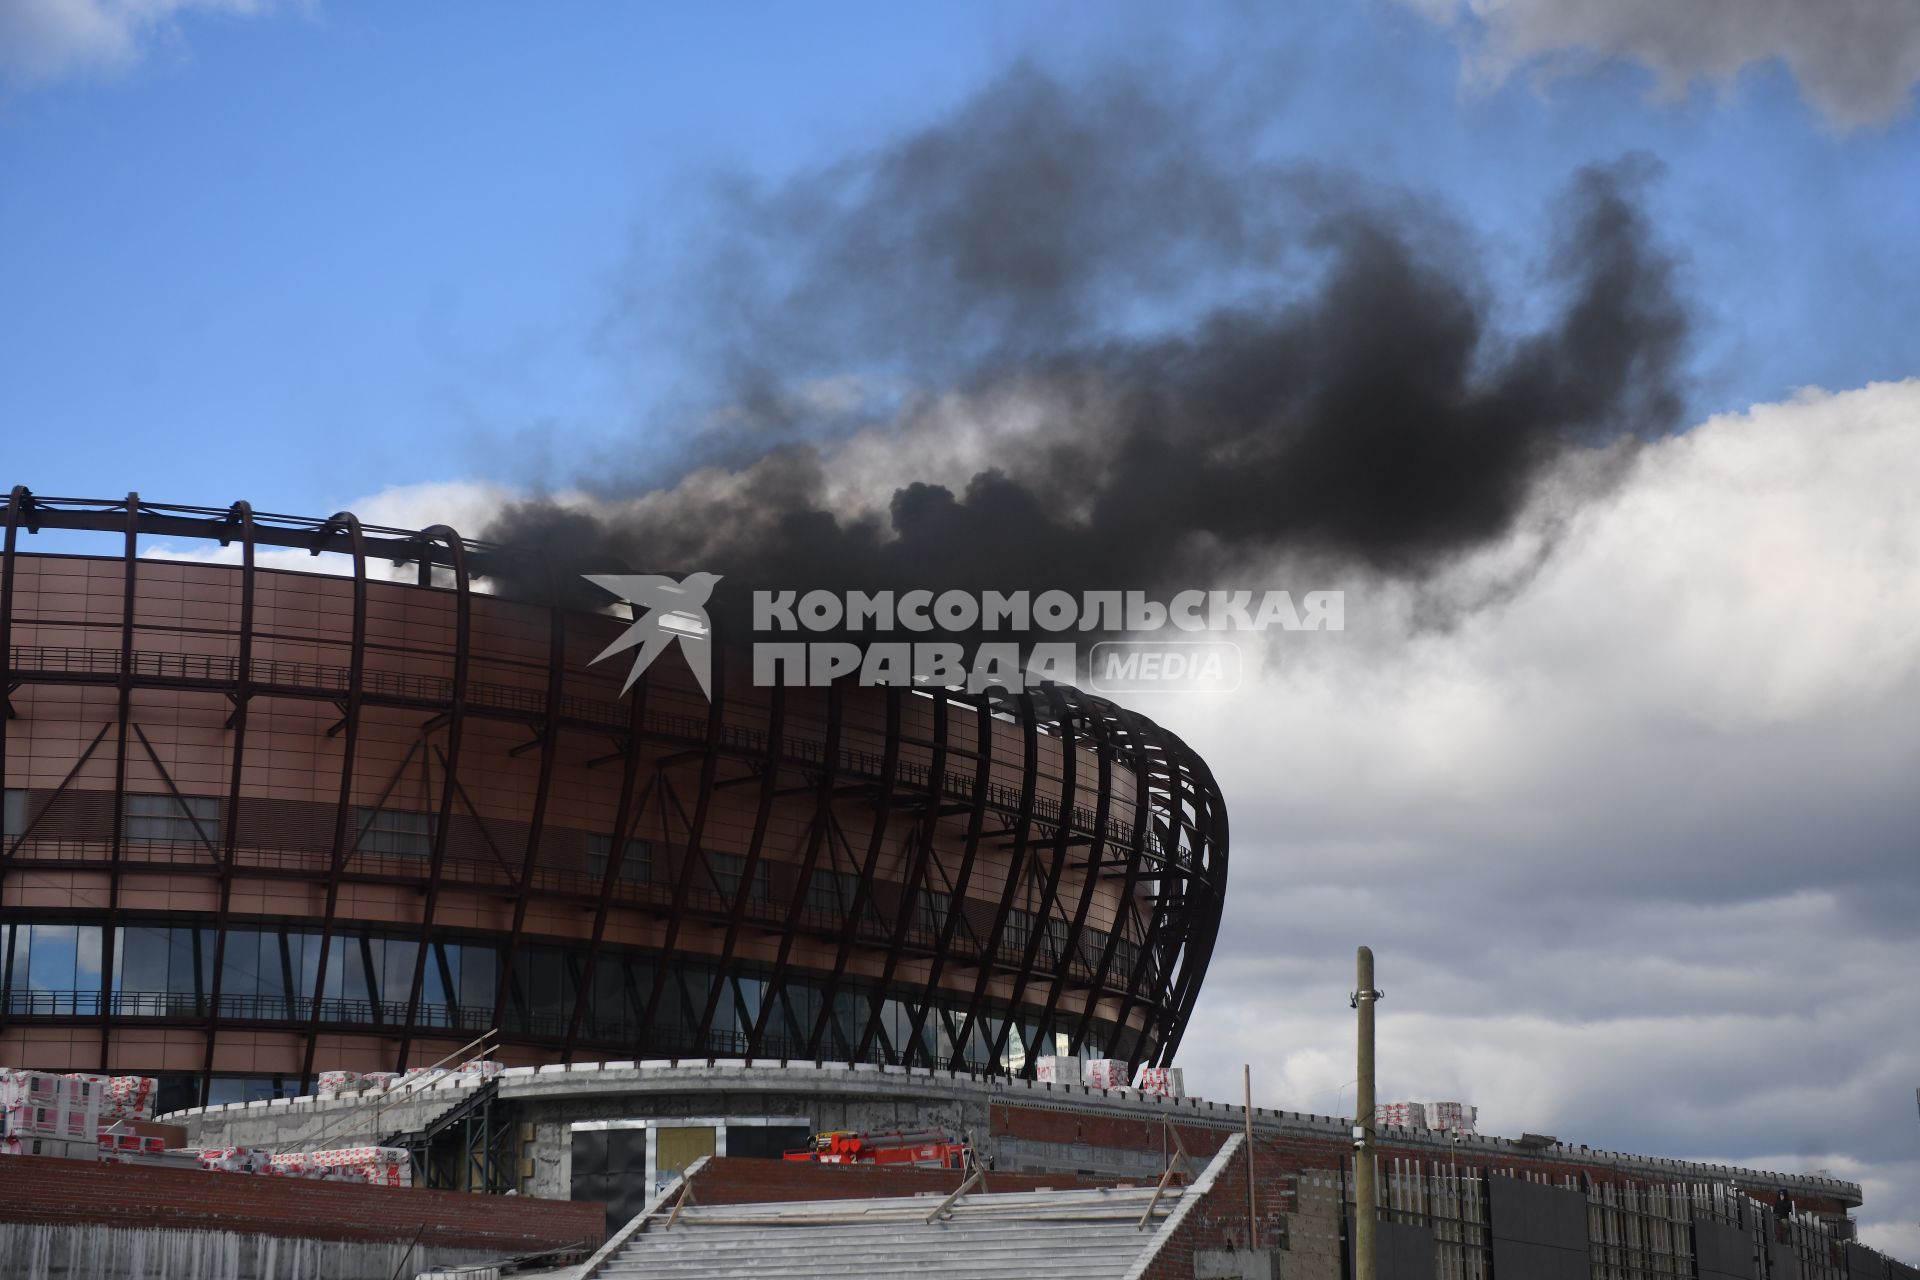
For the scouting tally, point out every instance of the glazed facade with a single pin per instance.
(261, 822)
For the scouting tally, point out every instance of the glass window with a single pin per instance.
(346, 970)
(607, 1005)
(725, 870)
(301, 965)
(635, 868)
(170, 965)
(180, 819)
(1019, 928)
(189, 960)
(545, 986)
(396, 961)
(13, 813)
(256, 965)
(833, 891)
(441, 984)
(240, 970)
(229, 1089)
(56, 969)
(396, 831)
(934, 906)
(477, 975)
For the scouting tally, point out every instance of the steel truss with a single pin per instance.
(1016, 959)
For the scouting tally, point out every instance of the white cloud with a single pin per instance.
(465, 506)
(1636, 847)
(1856, 60)
(44, 41)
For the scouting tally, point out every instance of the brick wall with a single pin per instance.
(1299, 1153)
(737, 1180)
(42, 1190)
(1219, 1219)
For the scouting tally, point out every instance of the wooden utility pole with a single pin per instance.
(1365, 1192)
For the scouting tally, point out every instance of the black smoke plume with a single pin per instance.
(1221, 362)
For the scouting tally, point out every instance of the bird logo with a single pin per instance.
(663, 611)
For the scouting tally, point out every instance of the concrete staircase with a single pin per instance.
(1070, 1235)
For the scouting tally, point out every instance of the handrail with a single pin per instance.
(1166, 1175)
(403, 868)
(973, 1180)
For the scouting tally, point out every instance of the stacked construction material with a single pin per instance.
(333, 1082)
(380, 1079)
(44, 1113)
(300, 1164)
(122, 1138)
(128, 1098)
(382, 1166)
(1107, 1073)
(1438, 1117)
(479, 1069)
(1169, 1082)
(1452, 1117)
(234, 1159)
(1056, 1070)
(122, 1143)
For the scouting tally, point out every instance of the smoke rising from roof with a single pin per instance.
(1134, 355)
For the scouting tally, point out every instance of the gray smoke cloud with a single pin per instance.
(1855, 60)
(1217, 360)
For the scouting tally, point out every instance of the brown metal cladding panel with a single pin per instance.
(68, 1048)
(289, 779)
(55, 889)
(258, 1052)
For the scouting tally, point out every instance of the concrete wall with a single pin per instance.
(42, 1251)
(82, 1194)
(1021, 1124)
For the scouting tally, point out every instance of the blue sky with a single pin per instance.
(304, 255)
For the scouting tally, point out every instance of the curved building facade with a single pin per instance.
(263, 821)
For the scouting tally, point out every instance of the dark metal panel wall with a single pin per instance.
(1723, 1251)
(1538, 1232)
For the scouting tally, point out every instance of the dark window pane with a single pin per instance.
(396, 831)
(240, 964)
(181, 819)
(479, 969)
(724, 871)
(635, 868)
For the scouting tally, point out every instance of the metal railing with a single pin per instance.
(705, 903)
(606, 1028)
(104, 665)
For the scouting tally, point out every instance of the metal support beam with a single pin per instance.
(863, 889)
(343, 807)
(776, 992)
(456, 719)
(123, 714)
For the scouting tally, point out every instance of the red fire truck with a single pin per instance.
(921, 1148)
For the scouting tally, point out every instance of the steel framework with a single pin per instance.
(972, 896)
